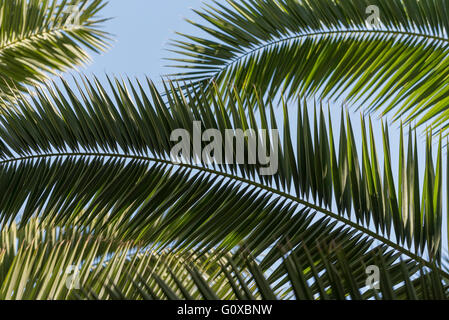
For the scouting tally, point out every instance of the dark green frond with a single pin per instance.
(134, 127)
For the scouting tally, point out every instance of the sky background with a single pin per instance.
(142, 30)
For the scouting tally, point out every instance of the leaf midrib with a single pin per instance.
(37, 35)
(243, 180)
(322, 33)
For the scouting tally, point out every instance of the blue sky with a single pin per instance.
(142, 30)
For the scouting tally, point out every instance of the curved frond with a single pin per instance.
(134, 127)
(155, 206)
(39, 38)
(326, 47)
(228, 282)
(45, 262)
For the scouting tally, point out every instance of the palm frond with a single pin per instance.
(37, 135)
(42, 261)
(39, 261)
(326, 47)
(152, 206)
(229, 282)
(39, 38)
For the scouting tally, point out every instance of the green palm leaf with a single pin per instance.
(47, 146)
(326, 48)
(40, 38)
(249, 281)
(41, 261)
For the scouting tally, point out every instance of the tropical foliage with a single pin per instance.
(93, 207)
(42, 37)
(325, 48)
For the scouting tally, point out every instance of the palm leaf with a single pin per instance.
(42, 261)
(229, 282)
(40, 38)
(48, 143)
(326, 48)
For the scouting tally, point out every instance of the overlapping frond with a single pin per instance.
(39, 38)
(332, 48)
(337, 282)
(153, 206)
(45, 262)
(195, 202)
(42, 261)
(92, 195)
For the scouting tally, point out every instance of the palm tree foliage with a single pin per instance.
(96, 159)
(42, 261)
(326, 48)
(38, 38)
(91, 194)
(337, 283)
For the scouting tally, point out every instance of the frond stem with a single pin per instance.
(37, 35)
(248, 182)
(323, 33)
